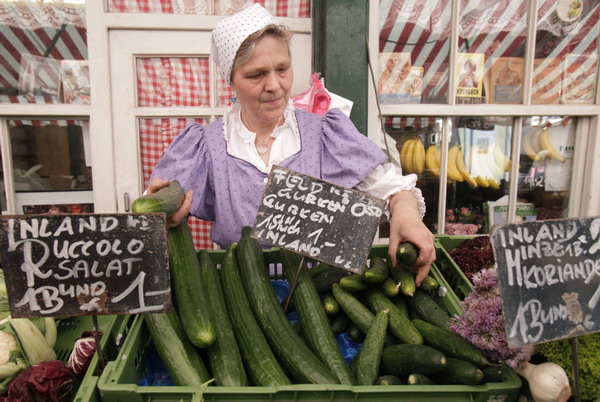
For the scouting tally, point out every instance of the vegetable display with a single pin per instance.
(473, 255)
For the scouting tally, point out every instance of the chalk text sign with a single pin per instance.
(549, 274)
(317, 219)
(87, 264)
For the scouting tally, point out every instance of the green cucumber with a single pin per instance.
(190, 290)
(398, 324)
(428, 310)
(330, 305)
(168, 200)
(325, 281)
(224, 354)
(316, 330)
(367, 369)
(459, 372)
(419, 379)
(388, 380)
(353, 283)
(429, 283)
(405, 278)
(355, 334)
(390, 287)
(377, 272)
(407, 254)
(402, 307)
(261, 364)
(405, 359)
(339, 323)
(451, 344)
(299, 361)
(320, 268)
(492, 373)
(358, 313)
(180, 357)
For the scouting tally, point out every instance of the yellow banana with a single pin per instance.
(545, 143)
(432, 161)
(453, 172)
(499, 156)
(508, 165)
(462, 168)
(410, 156)
(482, 181)
(494, 183)
(403, 155)
(418, 156)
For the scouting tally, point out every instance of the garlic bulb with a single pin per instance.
(548, 382)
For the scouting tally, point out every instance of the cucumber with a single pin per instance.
(429, 283)
(377, 272)
(224, 356)
(407, 254)
(299, 361)
(339, 323)
(261, 364)
(320, 268)
(492, 373)
(315, 326)
(419, 379)
(388, 380)
(405, 359)
(190, 290)
(180, 357)
(451, 344)
(390, 287)
(402, 307)
(324, 281)
(355, 334)
(398, 324)
(330, 305)
(428, 310)
(405, 278)
(459, 372)
(353, 283)
(358, 313)
(367, 369)
(167, 199)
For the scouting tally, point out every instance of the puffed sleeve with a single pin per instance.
(347, 155)
(187, 161)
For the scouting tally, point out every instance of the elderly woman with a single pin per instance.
(224, 165)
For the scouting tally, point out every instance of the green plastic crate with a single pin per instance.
(454, 276)
(118, 381)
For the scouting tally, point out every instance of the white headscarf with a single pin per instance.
(231, 32)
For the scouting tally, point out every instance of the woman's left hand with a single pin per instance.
(406, 226)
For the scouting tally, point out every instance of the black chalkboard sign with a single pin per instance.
(317, 219)
(88, 264)
(549, 275)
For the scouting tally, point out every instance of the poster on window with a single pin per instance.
(393, 85)
(38, 76)
(547, 73)
(579, 78)
(75, 79)
(506, 80)
(470, 75)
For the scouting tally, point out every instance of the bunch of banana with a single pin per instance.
(485, 168)
(432, 160)
(547, 146)
(531, 144)
(412, 156)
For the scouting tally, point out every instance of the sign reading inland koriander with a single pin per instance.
(549, 275)
(88, 264)
(317, 219)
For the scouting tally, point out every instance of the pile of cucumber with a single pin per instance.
(228, 324)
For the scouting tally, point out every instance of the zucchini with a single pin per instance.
(168, 200)
(429, 283)
(299, 361)
(405, 278)
(451, 344)
(492, 373)
(390, 287)
(388, 380)
(330, 305)
(377, 272)
(353, 283)
(428, 310)
(190, 290)
(405, 359)
(367, 369)
(180, 357)
(459, 372)
(325, 281)
(224, 356)
(399, 324)
(261, 363)
(339, 323)
(316, 330)
(419, 379)
(407, 254)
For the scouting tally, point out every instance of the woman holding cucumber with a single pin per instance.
(224, 165)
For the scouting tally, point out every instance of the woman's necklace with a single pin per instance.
(262, 146)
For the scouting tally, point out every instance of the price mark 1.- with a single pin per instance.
(139, 284)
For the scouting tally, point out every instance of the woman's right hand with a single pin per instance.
(186, 204)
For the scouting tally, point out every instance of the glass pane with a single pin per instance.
(44, 52)
(158, 6)
(59, 209)
(173, 81)
(224, 92)
(478, 165)
(491, 46)
(566, 52)
(280, 8)
(414, 39)
(50, 155)
(546, 162)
